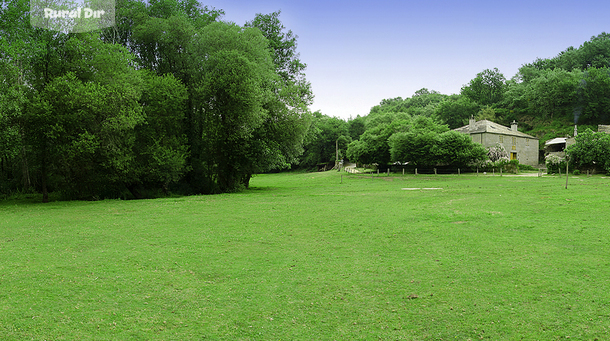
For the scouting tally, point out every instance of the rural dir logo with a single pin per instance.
(69, 16)
(89, 13)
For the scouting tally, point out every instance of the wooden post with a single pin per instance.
(458, 171)
(477, 171)
(341, 178)
(500, 171)
(435, 171)
(403, 171)
(415, 171)
(388, 172)
(567, 173)
(377, 171)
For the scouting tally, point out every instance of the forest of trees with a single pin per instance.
(172, 99)
(547, 97)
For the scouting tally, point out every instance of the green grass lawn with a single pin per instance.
(302, 256)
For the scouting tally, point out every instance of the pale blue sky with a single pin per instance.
(359, 53)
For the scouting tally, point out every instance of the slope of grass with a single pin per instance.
(304, 256)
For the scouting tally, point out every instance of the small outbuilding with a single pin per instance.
(520, 146)
(555, 146)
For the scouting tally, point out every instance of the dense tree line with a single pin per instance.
(173, 99)
(547, 97)
(170, 98)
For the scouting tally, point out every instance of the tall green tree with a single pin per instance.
(235, 66)
(160, 149)
(373, 145)
(456, 110)
(324, 135)
(591, 151)
(281, 136)
(487, 88)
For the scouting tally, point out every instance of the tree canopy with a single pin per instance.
(168, 98)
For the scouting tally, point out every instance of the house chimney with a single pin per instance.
(513, 126)
(575, 130)
(471, 123)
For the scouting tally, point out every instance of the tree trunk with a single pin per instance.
(45, 193)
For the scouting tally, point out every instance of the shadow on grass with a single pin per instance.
(259, 189)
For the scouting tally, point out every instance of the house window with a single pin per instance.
(514, 143)
(501, 138)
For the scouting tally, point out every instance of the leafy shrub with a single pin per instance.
(554, 163)
(591, 151)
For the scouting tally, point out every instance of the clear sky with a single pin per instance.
(360, 52)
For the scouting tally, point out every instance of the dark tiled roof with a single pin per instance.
(485, 126)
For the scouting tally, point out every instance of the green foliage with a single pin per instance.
(594, 53)
(356, 127)
(422, 103)
(323, 136)
(486, 113)
(373, 145)
(487, 88)
(161, 147)
(418, 147)
(199, 102)
(457, 149)
(456, 110)
(591, 151)
(229, 100)
(554, 163)
(429, 147)
(88, 132)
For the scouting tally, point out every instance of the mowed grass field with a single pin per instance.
(302, 256)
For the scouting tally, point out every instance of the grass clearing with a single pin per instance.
(303, 256)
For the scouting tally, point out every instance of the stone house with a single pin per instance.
(520, 146)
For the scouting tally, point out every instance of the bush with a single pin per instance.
(576, 172)
(554, 163)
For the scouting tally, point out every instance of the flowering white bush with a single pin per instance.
(497, 153)
(553, 160)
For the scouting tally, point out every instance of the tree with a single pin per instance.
(356, 127)
(487, 88)
(323, 136)
(160, 147)
(235, 67)
(486, 113)
(422, 103)
(593, 94)
(497, 152)
(431, 147)
(591, 150)
(457, 149)
(456, 110)
(553, 93)
(283, 131)
(418, 148)
(373, 144)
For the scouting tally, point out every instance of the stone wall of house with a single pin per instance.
(526, 148)
(604, 128)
